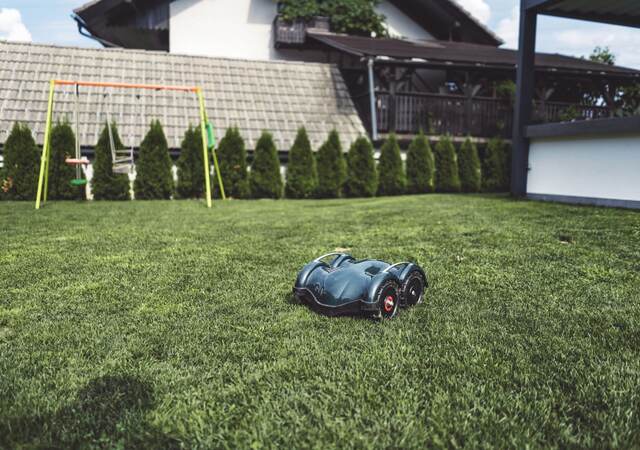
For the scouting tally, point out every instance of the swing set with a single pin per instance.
(122, 159)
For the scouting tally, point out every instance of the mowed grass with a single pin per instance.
(165, 324)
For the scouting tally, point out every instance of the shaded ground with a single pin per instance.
(164, 324)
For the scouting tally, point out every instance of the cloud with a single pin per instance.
(624, 43)
(479, 9)
(11, 26)
(509, 28)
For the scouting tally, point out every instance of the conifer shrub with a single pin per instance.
(420, 166)
(265, 180)
(496, 170)
(302, 177)
(391, 177)
(63, 145)
(20, 165)
(154, 179)
(232, 158)
(190, 166)
(469, 167)
(447, 178)
(332, 168)
(362, 178)
(105, 184)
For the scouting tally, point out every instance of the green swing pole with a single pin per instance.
(206, 142)
(43, 178)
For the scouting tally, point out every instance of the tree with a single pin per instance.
(362, 179)
(332, 168)
(21, 160)
(420, 166)
(232, 159)
(190, 166)
(391, 177)
(105, 184)
(302, 176)
(154, 179)
(603, 55)
(496, 170)
(447, 178)
(265, 180)
(60, 173)
(469, 166)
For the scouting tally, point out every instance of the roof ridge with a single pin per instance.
(163, 53)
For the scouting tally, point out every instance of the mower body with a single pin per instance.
(339, 284)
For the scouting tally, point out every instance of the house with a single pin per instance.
(595, 162)
(438, 70)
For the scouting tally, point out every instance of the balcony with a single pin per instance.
(456, 115)
(294, 34)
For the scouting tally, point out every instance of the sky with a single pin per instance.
(49, 22)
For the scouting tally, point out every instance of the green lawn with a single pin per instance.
(164, 324)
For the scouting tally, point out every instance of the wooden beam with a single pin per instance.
(524, 98)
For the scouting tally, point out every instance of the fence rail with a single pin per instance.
(408, 113)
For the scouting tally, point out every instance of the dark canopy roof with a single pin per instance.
(616, 12)
(460, 54)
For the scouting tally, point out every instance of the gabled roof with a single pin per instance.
(252, 95)
(445, 19)
(451, 54)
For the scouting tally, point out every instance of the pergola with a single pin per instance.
(613, 12)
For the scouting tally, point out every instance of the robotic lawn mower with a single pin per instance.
(337, 283)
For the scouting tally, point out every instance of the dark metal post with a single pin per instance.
(372, 101)
(524, 99)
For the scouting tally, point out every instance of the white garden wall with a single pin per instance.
(591, 168)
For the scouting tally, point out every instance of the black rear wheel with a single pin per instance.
(413, 289)
(388, 300)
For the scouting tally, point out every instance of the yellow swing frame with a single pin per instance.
(208, 137)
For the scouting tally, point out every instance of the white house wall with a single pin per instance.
(238, 29)
(588, 168)
(399, 24)
(242, 29)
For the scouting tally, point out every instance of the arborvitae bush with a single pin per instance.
(302, 177)
(420, 166)
(63, 146)
(265, 180)
(190, 167)
(332, 168)
(154, 179)
(105, 184)
(20, 165)
(496, 162)
(232, 158)
(469, 166)
(391, 176)
(447, 177)
(362, 178)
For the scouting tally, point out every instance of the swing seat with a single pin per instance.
(77, 162)
(78, 182)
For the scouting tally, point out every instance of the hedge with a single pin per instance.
(469, 167)
(20, 165)
(154, 179)
(265, 180)
(190, 167)
(447, 178)
(362, 178)
(106, 185)
(63, 145)
(232, 158)
(391, 177)
(420, 166)
(496, 166)
(332, 168)
(302, 177)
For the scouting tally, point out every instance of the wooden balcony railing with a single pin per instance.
(408, 113)
(291, 34)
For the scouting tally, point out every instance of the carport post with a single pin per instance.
(524, 99)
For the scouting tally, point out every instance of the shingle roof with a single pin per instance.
(252, 95)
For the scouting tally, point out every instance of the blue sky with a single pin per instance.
(48, 21)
